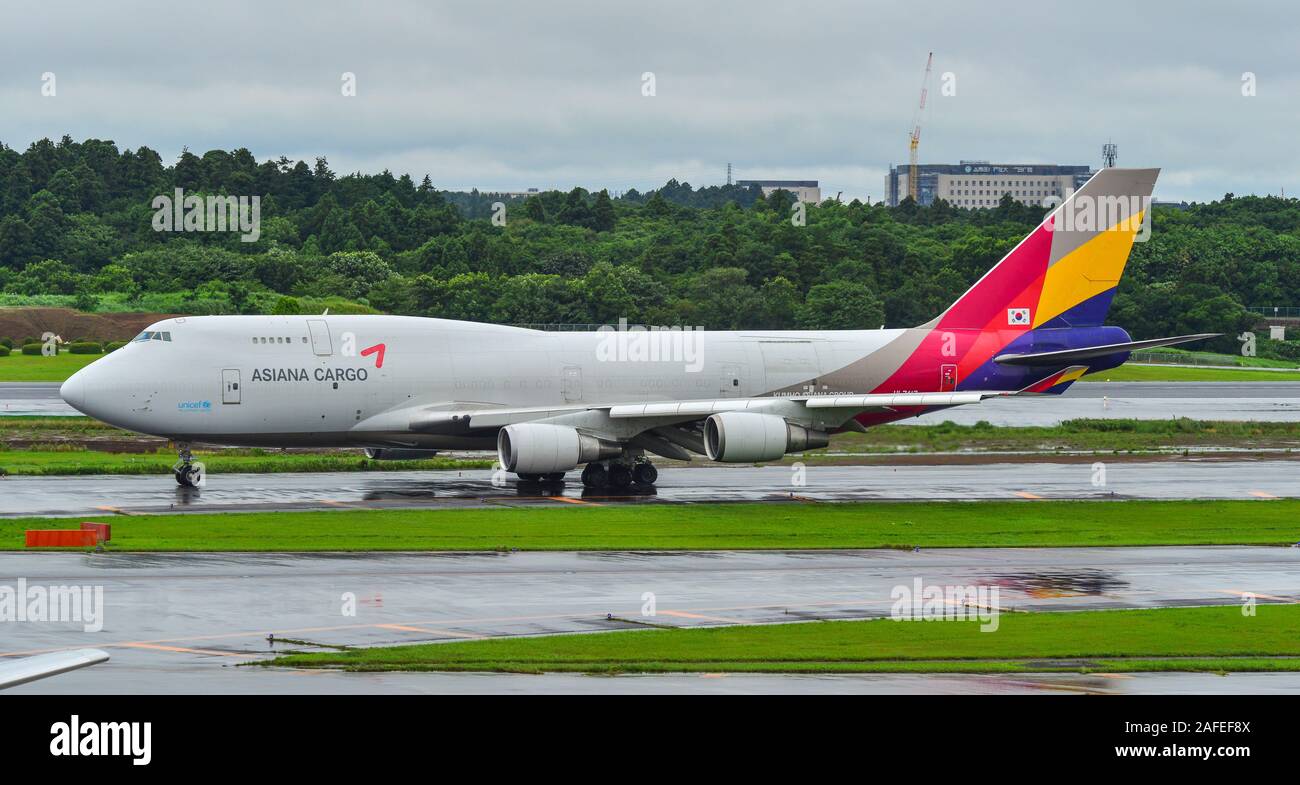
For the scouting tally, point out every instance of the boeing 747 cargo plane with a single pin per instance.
(549, 402)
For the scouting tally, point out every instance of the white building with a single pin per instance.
(980, 185)
(803, 190)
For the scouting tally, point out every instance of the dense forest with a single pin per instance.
(76, 228)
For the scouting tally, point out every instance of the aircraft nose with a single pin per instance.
(73, 391)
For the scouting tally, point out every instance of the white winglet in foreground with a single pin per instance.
(15, 672)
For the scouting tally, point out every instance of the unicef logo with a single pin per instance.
(967, 170)
(194, 406)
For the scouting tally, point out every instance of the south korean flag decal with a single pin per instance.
(1018, 317)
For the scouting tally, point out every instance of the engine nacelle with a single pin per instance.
(398, 454)
(540, 448)
(750, 437)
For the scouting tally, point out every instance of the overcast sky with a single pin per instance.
(511, 95)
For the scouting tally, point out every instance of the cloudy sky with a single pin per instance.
(511, 95)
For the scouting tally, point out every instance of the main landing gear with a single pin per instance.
(619, 474)
(187, 474)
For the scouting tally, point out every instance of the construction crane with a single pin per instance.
(915, 135)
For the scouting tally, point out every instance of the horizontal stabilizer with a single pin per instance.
(1070, 356)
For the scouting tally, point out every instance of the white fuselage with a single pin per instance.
(318, 380)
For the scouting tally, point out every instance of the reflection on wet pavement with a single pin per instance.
(1195, 478)
(1065, 583)
(172, 622)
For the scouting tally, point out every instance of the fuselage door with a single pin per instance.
(320, 337)
(230, 385)
(947, 378)
(571, 383)
(729, 384)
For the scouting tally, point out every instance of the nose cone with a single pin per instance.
(73, 391)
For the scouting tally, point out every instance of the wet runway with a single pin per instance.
(181, 622)
(33, 398)
(255, 681)
(1271, 401)
(1205, 477)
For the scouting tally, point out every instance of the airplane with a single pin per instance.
(549, 402)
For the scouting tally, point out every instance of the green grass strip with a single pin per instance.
(1170, 639)
(61, 462)
(19, 367)
(1155, 373)
(771, 526)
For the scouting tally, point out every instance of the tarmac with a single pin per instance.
(1231, 476)
(182, 622)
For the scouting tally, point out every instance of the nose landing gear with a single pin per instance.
(188, 474)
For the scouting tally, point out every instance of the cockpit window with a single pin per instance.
(153, 335)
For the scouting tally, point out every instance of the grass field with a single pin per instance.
(775, 526)
(36, 368)
(53, 462)
(1170, 354)
(1158, 373)
(1168, 639)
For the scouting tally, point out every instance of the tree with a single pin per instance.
(358, 271)
(534, 210)
(841, 305)
(779, 301)
(49, 276)
(657, 207)
(15, 242)
(48, 224)
(576, 212)
(534, 298)
(603, 213)
(721, 299)
(287, 306)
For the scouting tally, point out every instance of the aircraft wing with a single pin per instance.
(451, 419)
(15, 672)
(677, 410)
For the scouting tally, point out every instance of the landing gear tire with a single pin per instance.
(645, 474)
(620, 476)
(187, 476)
(594, 476)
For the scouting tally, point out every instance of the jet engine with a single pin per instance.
(540, 448)
(398, 454)
(750, 437)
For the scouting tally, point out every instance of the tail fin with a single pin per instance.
(1064, 273)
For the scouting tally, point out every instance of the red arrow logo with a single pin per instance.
(377, 348)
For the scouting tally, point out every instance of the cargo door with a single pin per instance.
(320, 337)
(571, 383)
(230, 385)
(729, 385)
(789, 364)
